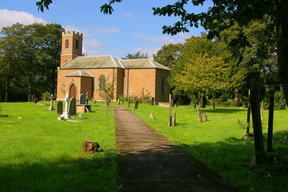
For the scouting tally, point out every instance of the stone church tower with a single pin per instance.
(71, 46)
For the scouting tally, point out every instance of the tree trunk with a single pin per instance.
(282, 44)
(6, 92)
(106, 106)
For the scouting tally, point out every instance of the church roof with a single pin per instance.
(142, 64)
(80, 74)
(108, 61)
(92, 62)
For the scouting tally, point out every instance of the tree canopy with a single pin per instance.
(168, 54)
(29, 57)
(137, 55)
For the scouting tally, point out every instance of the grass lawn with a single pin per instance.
(217, 143)
(40, 153)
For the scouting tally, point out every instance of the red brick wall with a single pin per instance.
(108, 73)
(137, 79)
(71, 52)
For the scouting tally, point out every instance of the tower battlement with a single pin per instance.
(72, 33)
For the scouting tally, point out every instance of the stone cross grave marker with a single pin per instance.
(82, 99)
(59, 108)
(72, 106)
(66, 114)
(51, 108)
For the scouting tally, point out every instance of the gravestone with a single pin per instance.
(205, 117)
(51, 108)
(152, 100)
(128, 102)
(82, 99)
(118, 102)
(59, 108)
(174, 118)
(136, 104)
(66, 114)
(29, 98)
(33, 98)
(151, 116)
(72, 106)
(200, 117)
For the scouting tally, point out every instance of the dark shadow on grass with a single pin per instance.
(221, 110)
(96, 173)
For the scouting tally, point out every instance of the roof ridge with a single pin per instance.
(151, 63)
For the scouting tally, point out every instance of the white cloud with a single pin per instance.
(102, 30)
(149, 50)
(71, 27)
(94, 43)
(161, 40)
(8, 18)
(128, 15)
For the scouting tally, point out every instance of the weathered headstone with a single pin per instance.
(151, 116)
(29, 98)
(118, 102)
(136, 104)
(51, 108)
(66, 114)
(82, 99)
(72, 106)
(205, 117)
(200, 117)
(174, 118)
(170, 108)
(152, 100)
(59, 108)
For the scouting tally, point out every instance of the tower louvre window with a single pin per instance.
(67, 43)
(77, 44)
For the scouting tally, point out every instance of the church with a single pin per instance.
(79, 74)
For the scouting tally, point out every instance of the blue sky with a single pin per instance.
(132, 27)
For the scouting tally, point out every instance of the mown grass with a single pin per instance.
(40, 153)
(217, 143)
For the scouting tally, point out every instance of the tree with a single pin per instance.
(215, 20)
(106, 90)
(203, 69)
(30, 56)
(137, 55)
(168, 54)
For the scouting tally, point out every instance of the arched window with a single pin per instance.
(101, 82)
(162, 84)
(67, 43)
(77, 44)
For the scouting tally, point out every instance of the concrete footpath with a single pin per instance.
(150, 162)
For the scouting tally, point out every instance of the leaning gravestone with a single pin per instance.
(82, 99)
(72, 106)
(59, 108)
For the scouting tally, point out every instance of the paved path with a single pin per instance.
(149, 162)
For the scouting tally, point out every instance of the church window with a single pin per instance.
(77, 44)
(162, 84)
(101, 82)
(67, 43)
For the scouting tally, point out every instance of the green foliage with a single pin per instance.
(145, 96)
(203, 68)
(106, 90)
(41, 154)
(29, 57)
(168, 54)
(279, 100)
(137, 55)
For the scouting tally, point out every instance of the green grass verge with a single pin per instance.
(217, 143)
(40, 153)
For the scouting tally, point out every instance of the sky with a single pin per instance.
(131, 28)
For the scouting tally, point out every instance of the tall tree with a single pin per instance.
(137, 55)
(203, 68)
(168, 54)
